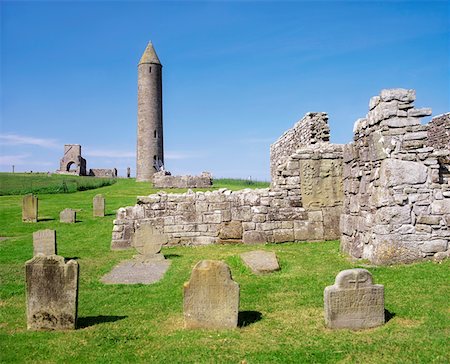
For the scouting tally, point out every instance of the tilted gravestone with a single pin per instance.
(52, 293)
(260, 261)
(354, 302)
(30, 208)
(211, 297)
(44, 242)
(148, 241)
(99, 206)
(68, 216)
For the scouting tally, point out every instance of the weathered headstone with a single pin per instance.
(52, 293)
(148, 241)
(30, 208)
(44, 242)
(99, 206)
(260, 261)
(354, 302)
(68, 216)
(211, 297)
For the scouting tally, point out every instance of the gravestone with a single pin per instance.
(30, 208)
(68, 216)
(52, 293)
(44, 242)
(354, 302)
(211, 297)
(260, 261)
(148, 241)
(99, 206)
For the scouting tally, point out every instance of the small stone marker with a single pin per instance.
(44, 242)
(354, 302)
(52, 293)
(148, 241)
(211, 297)
(128, 172)
(68, 216)
(30, 208)
(260, 261)
(99, 206)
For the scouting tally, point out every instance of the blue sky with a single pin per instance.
(236, 75)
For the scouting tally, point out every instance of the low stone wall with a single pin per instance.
(102, 172)
(164, 179)
(396, 192)
(251, 216)
(311, 129)
(439, 132)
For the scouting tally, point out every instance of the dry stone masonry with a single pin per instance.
(396, 183)
(44, 242)
(52, 293)
(304, 203)
(164, 179)
(439, 132)
(30, 208)
(354, 302)
(211, 297)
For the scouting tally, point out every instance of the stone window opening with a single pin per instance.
(444, 170)
(149, 70)
(155, 134)
(71, 167)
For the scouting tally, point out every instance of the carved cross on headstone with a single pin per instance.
(357, 280)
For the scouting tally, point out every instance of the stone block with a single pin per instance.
(44, 242)
(99, 206)
(398, 94)
(230, 230)
(434, 246)
(396, 172)
(260, 261)
(393, 215)
(30, 208)
(68, 216)
(354, 302)
(254, 237)
(52, 293)
(441, 207)
(307, 231)
(211, 297)
(283, 235)
(429, 220)
(148, 241)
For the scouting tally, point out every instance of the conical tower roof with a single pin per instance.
(149, 55)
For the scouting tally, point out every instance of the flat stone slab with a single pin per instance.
(137, 271)
(260, 261)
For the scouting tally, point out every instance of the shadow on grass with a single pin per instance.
(87, 321)
(388, 315)
(111, 214)
(46, 219)
(66, 259)
(246, 318)
(170, 256)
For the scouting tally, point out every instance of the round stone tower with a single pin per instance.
(150, 152)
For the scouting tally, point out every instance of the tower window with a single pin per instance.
(155, 134)
(149, 70)
(154, 157)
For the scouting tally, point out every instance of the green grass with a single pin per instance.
(23, 183)
(144, 323)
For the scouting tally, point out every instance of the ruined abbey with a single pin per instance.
(385, 196)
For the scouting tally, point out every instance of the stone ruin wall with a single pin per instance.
(439, 132)
(164, 179)
(396, 183)
(311, 129)
(103, 172)
(304, 203)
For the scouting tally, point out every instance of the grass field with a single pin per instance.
(23, 183)
(144, 323)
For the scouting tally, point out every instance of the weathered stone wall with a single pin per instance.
(439, 132)
(251, 216)
(311, 129)
(72, 158)
(396, 190)
(102, 172)
(164, 179)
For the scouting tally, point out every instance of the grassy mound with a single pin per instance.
(23, 183)
(281, 314)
